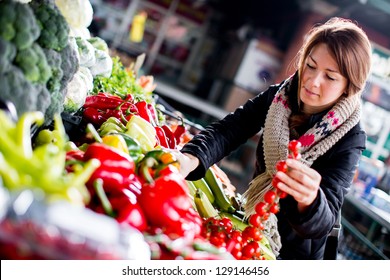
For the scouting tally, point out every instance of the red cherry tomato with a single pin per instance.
(261, 208)
(275, 182)
(281, 166)
(294, 146)
(255, 220)
(252, 233)
(227, 224)
(274, 208)
(269, 196)
(281, 194)
(236, 234)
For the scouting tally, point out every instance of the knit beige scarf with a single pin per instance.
(315, 142)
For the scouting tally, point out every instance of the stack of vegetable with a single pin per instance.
(48, 60)
(36, 59)
(119, 167)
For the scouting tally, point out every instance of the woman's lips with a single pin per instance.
(310, 93)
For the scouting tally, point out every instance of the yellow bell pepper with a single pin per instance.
(116, 141)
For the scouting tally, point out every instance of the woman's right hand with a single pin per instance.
(187, 162)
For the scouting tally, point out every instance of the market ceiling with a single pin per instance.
(374, 14)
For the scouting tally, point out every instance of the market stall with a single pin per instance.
(85, 166)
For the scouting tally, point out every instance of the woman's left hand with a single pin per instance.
(301, 182)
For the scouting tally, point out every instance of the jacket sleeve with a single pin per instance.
(337, 169)
(222, 137)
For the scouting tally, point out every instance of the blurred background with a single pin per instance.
(210, 56)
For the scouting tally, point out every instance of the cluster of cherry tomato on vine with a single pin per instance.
(245, 245)
(270, 204)
(242, 245)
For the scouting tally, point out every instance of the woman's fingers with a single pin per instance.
(300, 181)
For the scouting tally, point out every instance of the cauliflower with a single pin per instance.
(86, 52)
(76, 93)
(80, 32)
(78, 14)
(103, 64)
(99, 44)
(87, 76)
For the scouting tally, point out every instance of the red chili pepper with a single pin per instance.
(112, 113)
(161, 137)
(170, 136)
(164, 196)
(143, 111)
(108, 95)
(179, 131)
(102, 102)
(93, 116)
(129, 97)
(153, 112)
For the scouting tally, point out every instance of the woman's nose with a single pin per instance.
(316, 80)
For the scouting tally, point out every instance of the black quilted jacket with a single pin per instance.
(303, 234)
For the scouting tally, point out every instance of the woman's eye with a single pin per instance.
(310, 66)
(330, 78)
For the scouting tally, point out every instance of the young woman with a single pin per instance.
(320, 106)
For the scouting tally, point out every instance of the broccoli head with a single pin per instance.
(15, 88)
(70, 63)
(7, 55)
(54, 28)
(7, 20)
(18, 24)
(54, 60)
(56, 106)
(34, 65)
(44, 100)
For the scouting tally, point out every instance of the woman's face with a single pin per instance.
(321, 83)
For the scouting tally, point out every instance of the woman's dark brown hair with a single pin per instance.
(348, 44)
(350, 47)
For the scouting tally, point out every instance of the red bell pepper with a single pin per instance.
(122, 206)
(73, 157)
(116, 168)
(164, 196)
